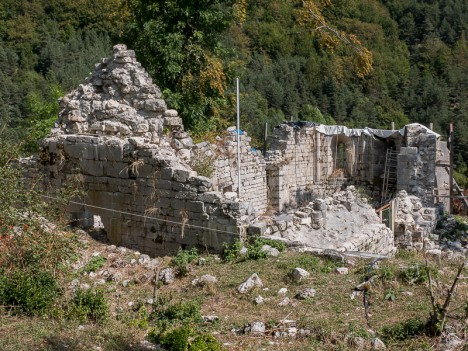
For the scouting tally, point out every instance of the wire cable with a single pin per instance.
(142, 216)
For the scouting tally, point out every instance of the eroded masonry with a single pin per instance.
(156, 190)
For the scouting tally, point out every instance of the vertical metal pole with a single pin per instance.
(431, 126)
(265, 138)
(451, 171)
(238, 141)
(393, 125)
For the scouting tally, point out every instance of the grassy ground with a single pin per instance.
(335, 320)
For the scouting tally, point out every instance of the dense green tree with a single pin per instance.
(179, 43)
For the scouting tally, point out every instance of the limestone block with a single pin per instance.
(196, 206)
(170, 113)
(172, 121)
(92, 167)
(186, 195)
(212, 197)
(164, 184)
(200, 181)
(82, 151)
(176, 144)
(116, 169)
(166, 173)
(145, 171)
(182, 175)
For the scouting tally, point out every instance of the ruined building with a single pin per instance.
(156, 190)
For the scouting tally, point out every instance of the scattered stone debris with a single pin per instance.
(271, 251)
(342, 270)
(299, 274)
(255, 328)
(167, 276)
(210, 319)
(378, 344)
(205, 279)
(282, 291)
(306, 293)
(259, 300)
(252, 282)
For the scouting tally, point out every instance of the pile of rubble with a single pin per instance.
(344, 221)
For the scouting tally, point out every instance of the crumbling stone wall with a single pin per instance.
(223, 155)
(117, 141)
(304, 162)
(155, 190)
(422, 165)
(413, 221)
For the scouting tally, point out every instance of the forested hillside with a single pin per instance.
(357, 63)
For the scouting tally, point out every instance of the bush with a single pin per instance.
(403, 330)
(177, 339)
(183, 259)
(32, 292)
(180, 312)
(206, 342)
(184, 338)
(231, 252)
(202, 164)
(417, 274)
(89, 305)
(387, 272)
(93, 265)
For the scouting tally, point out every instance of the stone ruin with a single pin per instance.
(157, 191)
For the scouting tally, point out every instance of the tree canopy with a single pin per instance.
(358, 63)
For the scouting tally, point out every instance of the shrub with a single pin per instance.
(177, 339)
(184, 338)
(202, 164)
(32, 292)
(183, 259)
(403, 330)
(89, 305)
(93, 265)
(417, 274)
(387, 272)
(206, 342)
(232, 252)
(184, 311)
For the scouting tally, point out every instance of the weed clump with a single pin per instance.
(417, 274)
(89, 305)
(176, 327)
(30, 292)
(404, 330)
(181, 262)
(232, 253)
(94, 264)
(185, 338)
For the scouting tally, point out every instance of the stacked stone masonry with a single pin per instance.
(155, 190)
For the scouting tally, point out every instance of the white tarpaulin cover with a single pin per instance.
(381, 133)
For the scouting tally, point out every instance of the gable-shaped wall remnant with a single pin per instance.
(131, 158)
